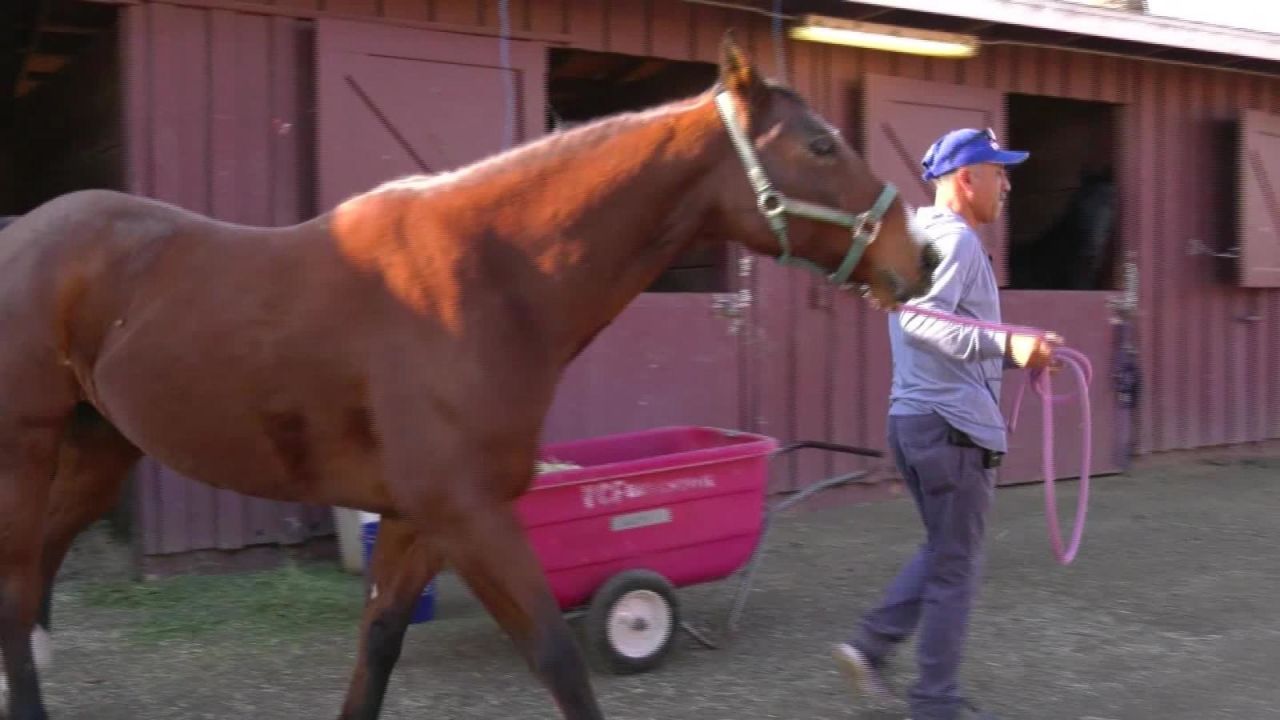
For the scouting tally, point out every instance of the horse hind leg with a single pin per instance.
(28, 460)
(402, 563)
(93, 461)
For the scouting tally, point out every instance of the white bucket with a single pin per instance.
(348, 524)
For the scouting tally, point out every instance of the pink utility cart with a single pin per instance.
(619, 521)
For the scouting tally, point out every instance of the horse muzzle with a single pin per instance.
(904, 291)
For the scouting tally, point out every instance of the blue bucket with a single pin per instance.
(426, 607)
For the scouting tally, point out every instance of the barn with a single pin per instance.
(1146, 227)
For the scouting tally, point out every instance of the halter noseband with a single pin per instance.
(864, 226)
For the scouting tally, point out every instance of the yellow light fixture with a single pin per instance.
(891, 38)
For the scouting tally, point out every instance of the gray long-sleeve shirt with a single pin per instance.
(942, 367)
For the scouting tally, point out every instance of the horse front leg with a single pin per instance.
(402, 563)
(488, 548)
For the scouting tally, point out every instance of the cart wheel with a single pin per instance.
(632, 621)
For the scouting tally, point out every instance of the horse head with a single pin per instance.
(814, 201)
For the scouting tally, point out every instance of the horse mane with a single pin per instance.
(533, 152)
(563, 142)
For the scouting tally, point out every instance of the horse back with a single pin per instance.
(89, 261)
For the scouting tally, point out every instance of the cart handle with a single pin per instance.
(740, 597)
(799, 495)
(823, 445)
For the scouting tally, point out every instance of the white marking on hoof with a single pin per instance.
(42, 648)
(41, 652)
(373, 592)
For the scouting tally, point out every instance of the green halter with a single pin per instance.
(864, 227)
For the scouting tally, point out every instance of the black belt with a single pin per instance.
(990, 458)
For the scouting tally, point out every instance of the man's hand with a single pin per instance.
(1032, 351)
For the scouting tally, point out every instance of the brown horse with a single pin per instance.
(397, 354)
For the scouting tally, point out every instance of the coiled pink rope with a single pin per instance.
(1039, 381)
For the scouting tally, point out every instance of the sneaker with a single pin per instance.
(864, 673)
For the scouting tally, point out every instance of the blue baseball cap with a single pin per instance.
(966, 146)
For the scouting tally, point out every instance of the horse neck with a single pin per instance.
(599, 224)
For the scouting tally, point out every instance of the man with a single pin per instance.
(946, 429)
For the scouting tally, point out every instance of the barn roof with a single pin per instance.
(1118, 27)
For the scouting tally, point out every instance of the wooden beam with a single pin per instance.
(25, 85)
(42, 63)
(71, 29)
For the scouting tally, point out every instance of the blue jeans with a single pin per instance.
(935, 590)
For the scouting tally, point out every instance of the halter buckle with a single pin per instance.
(866, 224)
(771, 203)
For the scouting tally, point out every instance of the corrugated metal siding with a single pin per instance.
(217, 122)
(1272, 324)
(821, 362)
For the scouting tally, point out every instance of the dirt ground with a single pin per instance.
(1170, 612)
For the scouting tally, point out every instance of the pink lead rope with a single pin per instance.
(1039, 380)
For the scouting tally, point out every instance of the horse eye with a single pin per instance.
(822, 145)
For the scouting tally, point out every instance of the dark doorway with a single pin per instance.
(1063, 212)
(584, 85)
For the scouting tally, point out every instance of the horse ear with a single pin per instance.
(737, 73)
